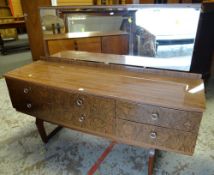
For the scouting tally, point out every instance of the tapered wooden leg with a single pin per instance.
(151, 160)
(40, 126)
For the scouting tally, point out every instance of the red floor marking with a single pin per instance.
(96, 165)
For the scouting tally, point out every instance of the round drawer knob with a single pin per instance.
(29, 105)
(82, 118)
(153, 135)
(26, 90)
(155, 116)
(79, 102)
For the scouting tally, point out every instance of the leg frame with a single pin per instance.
(152, 153)
(40, 126)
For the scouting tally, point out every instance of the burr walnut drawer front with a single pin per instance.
(63, 107)
(159, 116)
(94, 113)
(156, 137)
(24, 95)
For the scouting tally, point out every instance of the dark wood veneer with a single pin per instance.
(146, 108)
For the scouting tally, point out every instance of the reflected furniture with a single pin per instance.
(101, 42)
(155, 109)
(203, 43)
(10, 44)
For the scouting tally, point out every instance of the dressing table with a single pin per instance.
(121, 101)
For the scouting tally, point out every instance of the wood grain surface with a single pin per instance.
(156, 137)
(155, 90)
(159, 116)
(92, 44)
(118, 44)
(76, 109)
(123, 60)
(112, 61)
(141, 109)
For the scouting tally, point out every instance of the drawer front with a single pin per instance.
(86, 111)
(88, 44)
(156, 137)
(115, 44)
(164, 117)
(55, 46)
(96, 113)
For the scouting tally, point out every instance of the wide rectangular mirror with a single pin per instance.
(163, 35)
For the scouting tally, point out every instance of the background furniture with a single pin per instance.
(9, 28)
(6, 18)
(101, 42)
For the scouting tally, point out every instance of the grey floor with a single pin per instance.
(74, 153)
(14, 60)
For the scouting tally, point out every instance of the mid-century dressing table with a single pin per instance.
(124, 102)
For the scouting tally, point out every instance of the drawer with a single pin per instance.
(22, 91)
(55, 46)
(92, 44)
(159, 116)
(116, 44)
(94, 113)
(156, 137)
(62, 107)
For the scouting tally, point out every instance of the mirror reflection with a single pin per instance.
(163, 35)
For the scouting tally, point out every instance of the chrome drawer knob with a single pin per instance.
(82, 118)
(79, 102)
(29, 105)
(153, 135)
(26, 90)
(155, 116)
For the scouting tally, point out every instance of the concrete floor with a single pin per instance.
(73, 153)
(14, 60)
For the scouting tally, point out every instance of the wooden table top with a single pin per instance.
(140, 61)
(81, 35)
(176, 93)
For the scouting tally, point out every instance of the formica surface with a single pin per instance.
(176, 93)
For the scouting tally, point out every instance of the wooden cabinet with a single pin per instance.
(99, 42)
(130, 107)
(82, 44)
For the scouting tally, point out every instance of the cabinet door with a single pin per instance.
(88, 44)
(55, 46)
(115, 44)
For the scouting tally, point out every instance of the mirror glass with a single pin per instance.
(161, 35)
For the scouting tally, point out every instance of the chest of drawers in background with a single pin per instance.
(99, 42)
